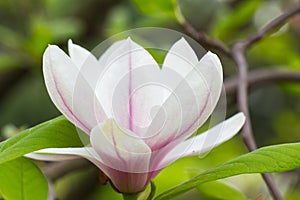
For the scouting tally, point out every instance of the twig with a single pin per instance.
(238, 52)
(277, 22)
(205, 40)
(260, 77)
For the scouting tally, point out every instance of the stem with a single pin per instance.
(133, 196)
(147, 194)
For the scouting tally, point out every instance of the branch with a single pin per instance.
(238, 54)
(205, 40)
(260, 77)
(277, 22)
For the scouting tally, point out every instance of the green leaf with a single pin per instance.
(225, 191)
(184, 169)
(21, 179)
(277, 158)
(152, 191)
(58, 132)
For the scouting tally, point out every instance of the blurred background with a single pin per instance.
(28, 26)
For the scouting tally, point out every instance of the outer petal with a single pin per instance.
(80, 55)
(87, 63)
(70, 91)
(205, 141)
(60, 154)
(189, 105)
(105, 57)
(125, 182)
(125, 154)
(119, 148)
(128, 71)
(180, 58)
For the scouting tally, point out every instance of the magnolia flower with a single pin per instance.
(139, 117)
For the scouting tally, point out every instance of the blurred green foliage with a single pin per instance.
(229, 22)
(161, 9)
(28, 26)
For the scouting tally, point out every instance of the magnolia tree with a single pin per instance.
(137, 104)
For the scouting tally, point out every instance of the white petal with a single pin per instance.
(120, 149)
(69, 90)
(105, 57)
(60, 154)
(89, 66)
(79, 55)
(180, 58)
(207, 140)
(207, 93)
(128, 68)
(189, 105)
(123, 181)
(86, 62)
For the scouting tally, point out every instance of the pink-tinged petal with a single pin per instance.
(119, 148)
(156, 86)
(126, 156)
(121, 82)
(70, 91)
(125, 182)
(180, 58)
(189, 105)
(206, 141)
(209, 68)
(61, 154)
